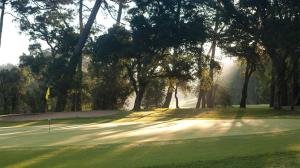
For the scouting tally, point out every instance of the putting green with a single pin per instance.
(137, 132)
(229, 143)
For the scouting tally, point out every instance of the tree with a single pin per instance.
(49, 19)
(177, 27)
(121, 5)
(242, 45)
(275, 25)
(10, 89)
(48, 69)
(215, 22)
(112, 82)
(204, 83)
(2, 7)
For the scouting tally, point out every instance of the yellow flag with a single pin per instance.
(47, 94)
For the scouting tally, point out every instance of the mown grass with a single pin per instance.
(268, 150)
(252, 112)
(277, 160)
(233, 151)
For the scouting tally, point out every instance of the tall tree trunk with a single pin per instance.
(248, 73)
(78, 89)
(210, 93)
(61, 102)
(5, 105)
(14, 103)
(176, 49)
(176, 96)
(80, 15)
(279, 66)
(168, 96)
(75, 59)
(139, 98)
(204, 100)
(278, 90)
(210, 98)
(74, 101)
(285, 94)
(278, 94)
(272, 87)
(295, 94)
(297, 89)
(2, 19)
(120, 10)
(199, 99)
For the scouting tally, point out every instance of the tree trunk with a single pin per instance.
(75, 59)
(285, 94)
(168, 97)
(204, 100)
(76, 97)
(73, 101)
(5, 105)
(14, 103)
(279, 77)
(210, 93)
(2, 19)
(199, 99)
(120, 10)
(272, 87)
(295, 94)
(297, 91)
(278, 92)
(248, 73)
(61, 102)
(76, 102)
(244, 93)
(176, 97)
(80, 15)
(139, 98)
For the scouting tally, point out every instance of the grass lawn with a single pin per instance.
(255, 137)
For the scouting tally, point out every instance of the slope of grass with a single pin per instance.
(233, 151)
(28, 144)
(252, 112)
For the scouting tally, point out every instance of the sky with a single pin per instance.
(13, 43)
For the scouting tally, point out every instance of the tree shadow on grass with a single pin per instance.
(276, 160)
(183, 153)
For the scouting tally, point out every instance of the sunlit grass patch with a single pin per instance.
(219, 137)
(266, 150)
(161, 114)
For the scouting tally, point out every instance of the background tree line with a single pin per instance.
(154, 49)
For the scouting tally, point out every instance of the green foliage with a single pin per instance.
(47, 68)
(10, 89)
(112, 86)
(274, 26)
(165, 41)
